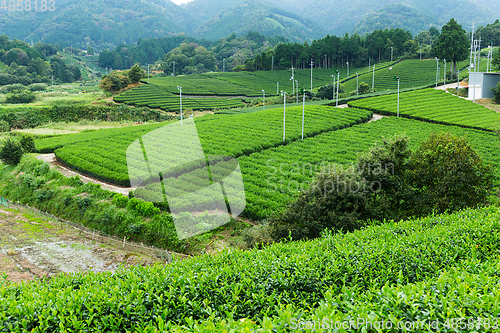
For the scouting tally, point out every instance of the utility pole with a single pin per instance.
(420, 51)
(357, 85)
(348, 69)
(338, 87)
(180, 96)
(173, 73)
(293, 80)
(52, 82)
(284, 113)
(148, 73)
(264, 99)
(224, 65)
(277, 88)
(312, 63)
(333, 87)
(437, 69)
(297, 94)
(373, 79)
(392, 51)
(444, 75)
(272, 64)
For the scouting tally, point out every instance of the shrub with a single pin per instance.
(120, 200)
(4, 126)
(326, 92)
(37, 87)
(389, 182)
(28, 143)
(11, 151)
(363, 88)
(448, 174)
(24, 96)
(333, 200)
(496, 93)
(12, 87)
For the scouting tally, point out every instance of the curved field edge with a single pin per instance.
(434, 268)
(232, 135)
(433, 106)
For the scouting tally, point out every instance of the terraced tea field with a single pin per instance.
(434, 106)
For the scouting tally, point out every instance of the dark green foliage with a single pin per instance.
(327, 91)
(33, 117)
(496, 92)
(447, 174)
(452, 44)
(389, 182)
(20, 97)
(363, 88)
(4, 126)
(28, 143)
(136, 73)
(334, 200)
(11, 151)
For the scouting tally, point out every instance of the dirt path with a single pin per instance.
(51, 159)
(34, 247)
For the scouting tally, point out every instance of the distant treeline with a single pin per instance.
(27, 64)
(155, 50)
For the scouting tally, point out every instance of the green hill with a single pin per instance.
(257, 16)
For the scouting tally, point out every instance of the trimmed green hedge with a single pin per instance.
(435, 268)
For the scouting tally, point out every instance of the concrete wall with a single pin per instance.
(480, 84)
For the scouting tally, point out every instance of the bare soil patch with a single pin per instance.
(32, 247)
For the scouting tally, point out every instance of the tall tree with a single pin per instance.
(452, 44)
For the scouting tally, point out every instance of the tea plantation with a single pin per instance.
(441, 269)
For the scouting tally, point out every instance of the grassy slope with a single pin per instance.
(434, 268)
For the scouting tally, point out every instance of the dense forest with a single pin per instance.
(198, 55)
(26, 64)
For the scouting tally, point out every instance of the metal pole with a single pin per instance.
(148, 73)
(264, 98)
(297, 94)
(458, 82)
(420, 51)
(392, 49)
(180, 96)
(284, 113)
(333, 88)
(224, 65)
(437, 68)
(347, 68)
(277, 88)
(303, 108)
(272, 64)
(373, 79)
(357, 85)
(444, 75)
(312, 63)
(338, 87)
(398, 97)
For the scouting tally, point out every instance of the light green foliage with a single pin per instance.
(435, 106)
(274, 177)
(234, 135)
(120, 200)
(156, 97)
(435, 268)
(20, 97)
(4, 126)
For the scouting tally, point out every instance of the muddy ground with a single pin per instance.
(33, 246)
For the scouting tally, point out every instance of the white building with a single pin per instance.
(480, 84)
